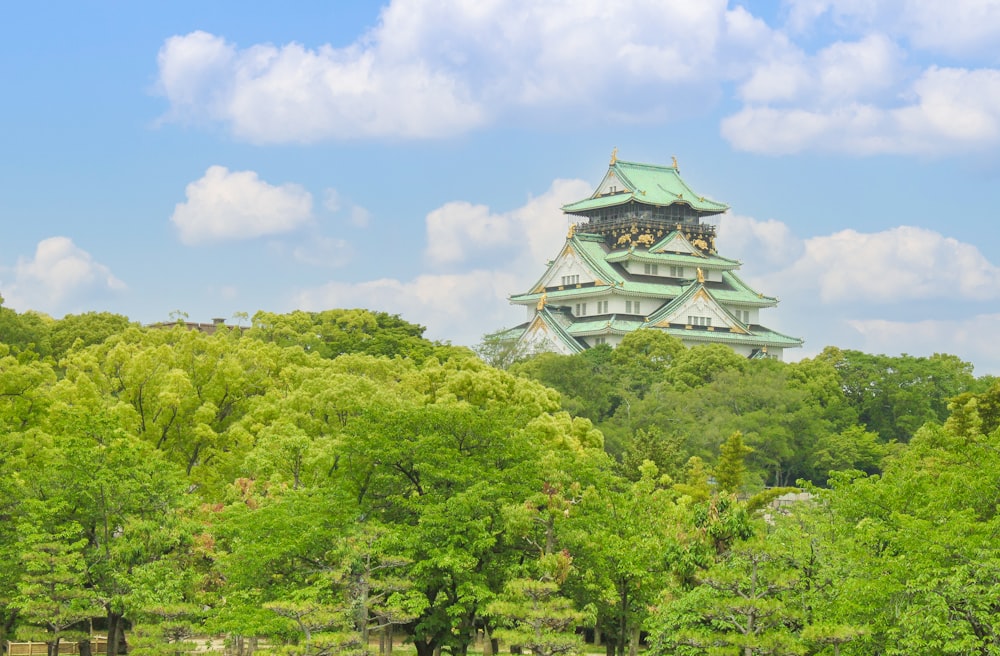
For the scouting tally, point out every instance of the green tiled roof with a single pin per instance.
(760, 336)
(704, 261)
(651, 185)
(598, 326)
(553, 323)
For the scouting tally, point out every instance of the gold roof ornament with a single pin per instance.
(541, 301)
(674, 157)
(701, 275)
(614, 155)
(572, 231)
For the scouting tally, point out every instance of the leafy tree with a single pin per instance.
(894, 396)
(25, 334)
(502, 349)
(621, 541)
(643, 357)
(81, 330)
(334, 332)
(730, 470)
(585, 380)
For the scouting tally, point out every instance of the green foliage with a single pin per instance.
(27, 335)
(82, 330)
(334, 332)
(326, 476)
(894, 396)
(730, 470)
(535, 617)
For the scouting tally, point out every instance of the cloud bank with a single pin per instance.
(905, 76)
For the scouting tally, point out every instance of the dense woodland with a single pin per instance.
(330, 483)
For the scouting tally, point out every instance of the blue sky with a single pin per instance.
(411, 157)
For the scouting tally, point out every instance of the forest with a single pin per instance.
(326, 483)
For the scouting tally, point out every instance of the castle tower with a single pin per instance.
(641, 257)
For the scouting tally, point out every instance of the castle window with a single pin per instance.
(570, 280)
(602, 307)
(650, 269)
(581, 309)
(676, 272)
(600, 340)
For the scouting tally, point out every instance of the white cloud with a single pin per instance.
(293, 94)
(843, 71)
(463, 304)
(767, 244)
(957, 27)
(868, 291)
(893, 266)
(459, 231)
(952, 110)
(224, 205)
(433, 68)
(437, 68)
(461, 307)
(59, 275)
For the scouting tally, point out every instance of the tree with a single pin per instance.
(502, 349)
(82, 330)
(537, 618)
(51, 592)
(622, 539)
(741, 602)
(731, 468)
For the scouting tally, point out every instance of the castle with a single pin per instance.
(640, 256)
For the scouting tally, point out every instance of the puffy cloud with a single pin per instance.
(841, 71)
(952, 110)
(462, 306)
(458, 231)
(433, 68)
(871, 291)
(293, 94)
(59, 275)
(767, 244)
(893, 266)
(958, 27)
(224, 205)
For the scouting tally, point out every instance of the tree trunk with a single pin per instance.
(487, 641)
(114, 628)
(633, 641)
(6, 624)
(597, 636)
(84, 647)
(425, 648)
